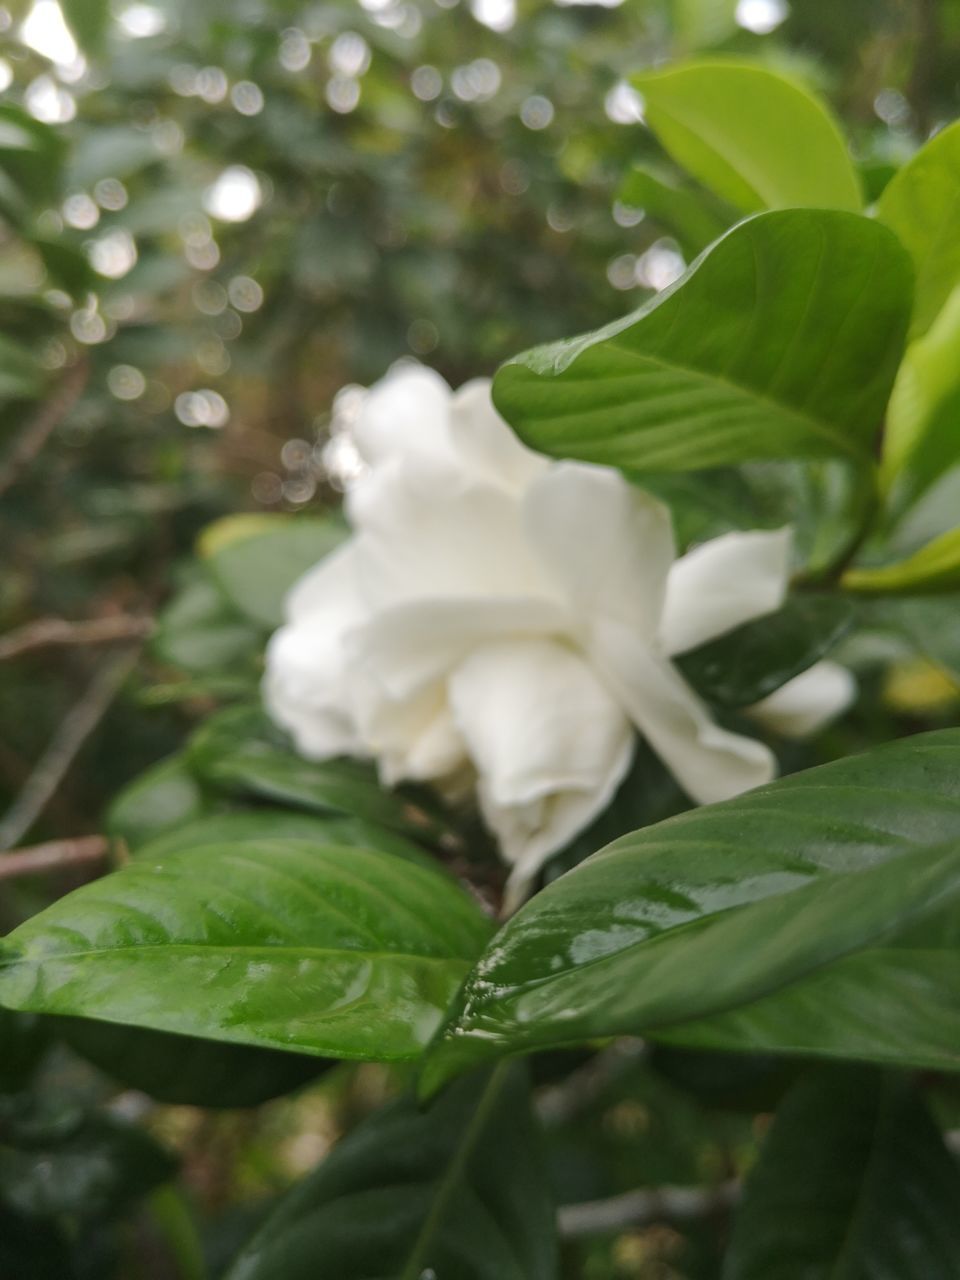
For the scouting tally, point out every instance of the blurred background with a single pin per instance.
(218, 218)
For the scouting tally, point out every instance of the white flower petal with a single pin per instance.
(305, 686)
(428, 532)
(608, 544)
(722, 584)
(405, 414)
(549, 743)
(808, 702)
(486, 445)
(408, 646)
(709, 762)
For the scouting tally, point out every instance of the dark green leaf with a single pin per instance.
(185, 1070)
(712, 910)
(752, 135)
(751, 662)
(95, 1169)
(457, 1191)
(341, 952)
(854, 1183)
(257, 559)
(922, 205)
(781, 341)
(238, 751)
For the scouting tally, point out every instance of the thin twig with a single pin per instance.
(641, 1208)
(55, 855)
(60, 631)
(42, 425)
(76, 726)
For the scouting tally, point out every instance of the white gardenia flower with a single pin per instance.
(506, 623)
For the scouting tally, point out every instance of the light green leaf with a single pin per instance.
(336, 951)
(854, 1181)
(720, 907)
(257, 559)
(922, 437)
(456, 1191)
(781, 341)
(922, 205)
(200, 631)
(935, 567)
(753, 136)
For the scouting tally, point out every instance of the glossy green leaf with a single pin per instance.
(238, 751)
(253, 826)
(854, 1183)
(684, 213)
(922, 436)
(720, 907)
(166, 795)
(257, 559)
(781, 341)
(751, 662)
(922, 205)
(94, 1168)
(457, 1191)
(935, 567)
(336, 951)
(184, 1070)
(753, 136)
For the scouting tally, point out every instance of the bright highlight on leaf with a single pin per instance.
(703, 928)
(336, 951)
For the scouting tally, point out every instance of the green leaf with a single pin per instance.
(94, 1168)
(257, 559)
(252, 826)
(201, 632)
(458, 1192)
(717, 908)
(854, 1181)
(166, 795)
(184, 1070)
(238, 751)
(748, 664)
(781, 341)
(922, 436)
(752, 135)
(922, 205)
(90, 21)
(340, 952)
(935, 567)
(684, 213)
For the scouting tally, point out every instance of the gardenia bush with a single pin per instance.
(576, 622)
(502, 620)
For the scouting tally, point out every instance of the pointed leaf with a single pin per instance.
(341, 952)
(935, 567)
(457, 1191)
(781, 341)
(720, 907)
(854, 1183)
